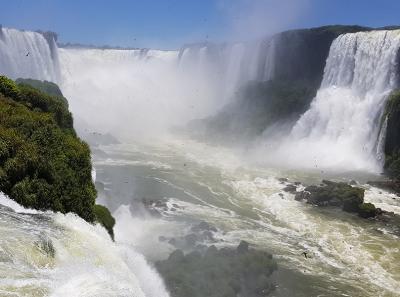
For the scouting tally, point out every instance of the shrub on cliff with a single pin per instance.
(104, 217)
(43, 164)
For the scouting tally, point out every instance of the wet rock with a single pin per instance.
(334, 202)
(160, 204)
(208, 235)
(283, 179)
(219, 272)
(303, 195)
(203, 226)
(367, 210)
(191, 239)
(297, 183)
(338, 194)
(46, 246)
(162, 238)
(243, 247)
(352, 182)
(290, 189)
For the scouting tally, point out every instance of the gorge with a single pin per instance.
(203, 150)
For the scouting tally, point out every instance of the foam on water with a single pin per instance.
(342, 126)
(86, 262)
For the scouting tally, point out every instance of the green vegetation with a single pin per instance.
(271, 107)
(367, 210)
(46, 87)
(104, 217)
(392, 141)
(336, 194)
(260, 105)
(219, 273)
(43, 164)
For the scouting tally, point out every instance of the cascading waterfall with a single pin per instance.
(136, 92)
(133, 94)
(341, 128)
(51, 254)
(147, 91)
(230, 65)
(28, 55)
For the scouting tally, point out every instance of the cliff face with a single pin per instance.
(301, 54)
(392, 140)
(299, 61)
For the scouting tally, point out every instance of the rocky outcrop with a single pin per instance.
(224, 272)
(338, 194)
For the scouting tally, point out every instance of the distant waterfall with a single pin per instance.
(28, 55)
(230, 65)
(342, 126)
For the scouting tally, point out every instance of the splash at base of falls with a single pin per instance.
(341, 129)
(51, 254)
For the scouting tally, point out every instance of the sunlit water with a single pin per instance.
(47, 254)
(350, 256)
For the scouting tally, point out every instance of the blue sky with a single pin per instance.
(171, 23)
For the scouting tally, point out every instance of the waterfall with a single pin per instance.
(341, 127)
(28, 55)
(229, 66)
(52, 254)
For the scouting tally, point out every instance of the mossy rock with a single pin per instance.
(367, 210)
(219, 272)
(104, 217)
(336, 194)
(349, 198)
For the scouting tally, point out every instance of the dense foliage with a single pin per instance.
(43, 164)
(46, 87)
(219, 273)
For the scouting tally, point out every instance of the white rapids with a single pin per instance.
(86, 263)
(342, 126)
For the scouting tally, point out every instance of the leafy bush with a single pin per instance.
(43, 164)
(8, 88)
(46, 87)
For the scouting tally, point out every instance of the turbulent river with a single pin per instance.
(349, 256)
(159, 190)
